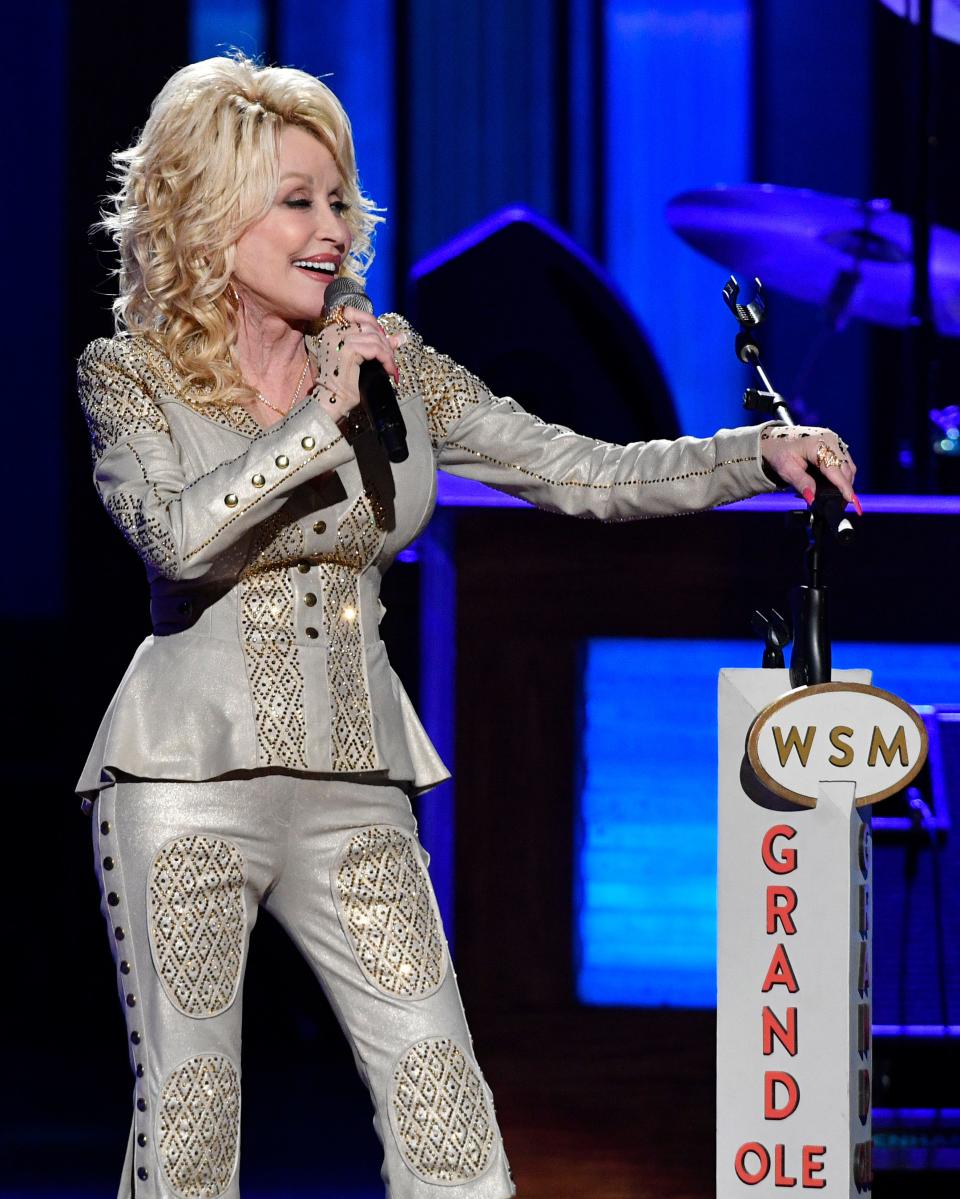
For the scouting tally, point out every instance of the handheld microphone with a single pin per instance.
(375, 386)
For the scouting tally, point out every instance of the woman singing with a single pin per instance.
(259, 750)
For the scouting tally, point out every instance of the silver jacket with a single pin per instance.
(265, 549)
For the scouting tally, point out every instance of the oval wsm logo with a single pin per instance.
(837, 732)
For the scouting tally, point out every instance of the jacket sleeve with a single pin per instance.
(184, 527)
(479, 436)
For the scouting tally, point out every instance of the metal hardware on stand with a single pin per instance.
(775, 631)
(810, 661)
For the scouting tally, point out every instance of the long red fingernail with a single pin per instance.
(807, 494)
(396, 373)
(856, 503)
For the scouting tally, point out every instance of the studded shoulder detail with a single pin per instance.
(117, 384)
(121, 379)
(447, 388)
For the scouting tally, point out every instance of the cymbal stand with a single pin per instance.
(810, 661)
(859, 244)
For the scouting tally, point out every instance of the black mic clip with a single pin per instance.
(747, 348)
(748, 315)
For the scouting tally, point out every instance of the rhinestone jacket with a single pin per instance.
(265, 549)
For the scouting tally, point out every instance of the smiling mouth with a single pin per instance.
(326, 270)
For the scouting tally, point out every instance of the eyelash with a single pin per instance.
(340, 207)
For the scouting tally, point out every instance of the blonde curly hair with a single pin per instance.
(203, 170)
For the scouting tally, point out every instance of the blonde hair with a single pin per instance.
(205, 168)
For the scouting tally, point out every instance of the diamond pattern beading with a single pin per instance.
(118, 382)
(268, 637)
(443, 1124)
(358, 537)
(448, 390)
(196, 920)
(116, 389)
(198, 1126)
(352, 746)
(144, 530)
(387, 911)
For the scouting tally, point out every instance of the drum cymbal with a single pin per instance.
(946, 15)
(850, 256)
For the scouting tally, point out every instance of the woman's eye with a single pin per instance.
(340, 207)
(298, 203)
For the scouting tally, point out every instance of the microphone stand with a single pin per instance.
(810, 661)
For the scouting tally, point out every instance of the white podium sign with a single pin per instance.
(793, 949)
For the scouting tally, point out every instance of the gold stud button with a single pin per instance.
(309, 599)
(308, 443)
(312, 633)
(320, 526)
(258, 480)
(303, 567)
(282, 461)
(231, 500)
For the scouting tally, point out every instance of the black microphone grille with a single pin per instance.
(346, 292)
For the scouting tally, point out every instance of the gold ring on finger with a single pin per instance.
(826, 456)
(338, 317)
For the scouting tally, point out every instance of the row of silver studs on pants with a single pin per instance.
(113, 903)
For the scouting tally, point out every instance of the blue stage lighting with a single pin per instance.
(645, 869)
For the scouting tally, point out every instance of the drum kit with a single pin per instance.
(853, 258)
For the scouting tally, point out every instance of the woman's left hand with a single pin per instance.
(790, 449)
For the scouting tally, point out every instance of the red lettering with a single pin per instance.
(864, 1029)
(780, 1176)
(787, 862)
(863, 971)
(780, 972)
(863, 1165)
(785, 1034)
(863, 849)
(863, 1095)
(771, 1079)
(777, 911)
(740, 1163)
(809, 1166)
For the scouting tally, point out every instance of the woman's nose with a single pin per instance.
(330, 228)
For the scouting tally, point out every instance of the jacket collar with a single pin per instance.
(232, 416)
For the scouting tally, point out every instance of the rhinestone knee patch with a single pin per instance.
(440, 1114)
(198, 1126)
(196, 920)
(387, 911)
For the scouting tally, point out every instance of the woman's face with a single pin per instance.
(285, 261)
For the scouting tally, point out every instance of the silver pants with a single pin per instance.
(183, 869)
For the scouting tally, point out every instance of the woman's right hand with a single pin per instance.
(342, 348)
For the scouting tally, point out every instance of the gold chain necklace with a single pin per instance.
(296, 394)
